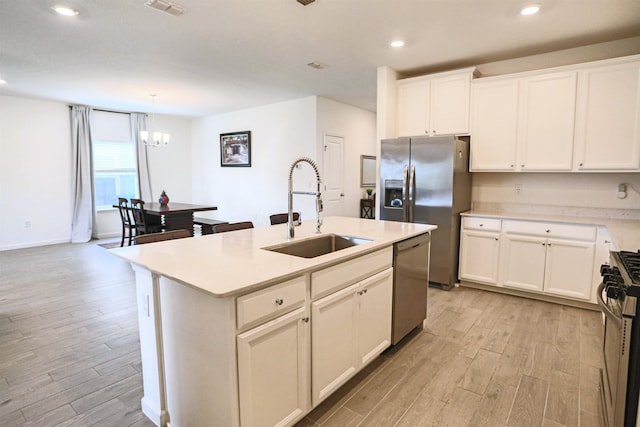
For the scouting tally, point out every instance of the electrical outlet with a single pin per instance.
(517, 189)
(27, 224)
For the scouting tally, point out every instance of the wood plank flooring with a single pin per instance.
(485, 359)
(69, 355)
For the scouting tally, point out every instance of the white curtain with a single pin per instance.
(138, 123)
(82, 199)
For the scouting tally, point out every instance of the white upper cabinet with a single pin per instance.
(608, 118)
(583, 117)
(547, 119)
(413, 108)
(494, 125)
(437, 104)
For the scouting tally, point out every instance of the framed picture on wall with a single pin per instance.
(235, 149)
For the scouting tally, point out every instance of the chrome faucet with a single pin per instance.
(291, 224)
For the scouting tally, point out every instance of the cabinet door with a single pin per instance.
(334, 347)
(413, 108)
(450, 105)
(547, 120)
(608, 118)
(273, 366)
(494, 121)
(569, 268)
(374, 324)
(523, 261)
(479, 255)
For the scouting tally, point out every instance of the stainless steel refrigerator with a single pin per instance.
(426, 180)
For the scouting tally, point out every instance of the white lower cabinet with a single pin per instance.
(350, 328)
(273, 364)
(555, 259)
(480, 250)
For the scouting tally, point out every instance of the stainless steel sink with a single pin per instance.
(316, 246)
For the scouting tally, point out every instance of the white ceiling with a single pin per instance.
(225, 55)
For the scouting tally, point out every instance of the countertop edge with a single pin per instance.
(144, 257)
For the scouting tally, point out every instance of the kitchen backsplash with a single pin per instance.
(566, 194)
(569, 211)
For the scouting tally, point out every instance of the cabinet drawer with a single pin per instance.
(331, 279)
(266, 303)
(567, 231)
(488, 224)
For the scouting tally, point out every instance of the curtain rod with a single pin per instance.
(109, 111)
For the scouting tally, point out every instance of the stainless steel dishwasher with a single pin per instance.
(410, 283)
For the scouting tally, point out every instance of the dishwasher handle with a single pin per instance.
(412, 243)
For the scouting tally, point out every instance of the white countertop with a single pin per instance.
(233, 263)
(624, 232)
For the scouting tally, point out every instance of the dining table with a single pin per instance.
(174, 215)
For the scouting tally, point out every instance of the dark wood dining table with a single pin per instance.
(175, 216)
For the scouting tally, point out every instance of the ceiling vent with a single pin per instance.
(166, 7)
(305, 2)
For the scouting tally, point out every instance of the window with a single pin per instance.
(115, 171)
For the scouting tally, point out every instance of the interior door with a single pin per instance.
(332, 176)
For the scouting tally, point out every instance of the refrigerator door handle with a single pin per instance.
(405, 195)
(412, 193)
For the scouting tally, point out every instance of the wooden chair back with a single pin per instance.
(159, 237)
(282, 218)
(140, 219)
(223, 228)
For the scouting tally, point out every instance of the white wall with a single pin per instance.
(571, 193)
(358, 128)
(169, 170)
(280, 133)
(35, 172)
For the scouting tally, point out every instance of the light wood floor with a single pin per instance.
(69, 355)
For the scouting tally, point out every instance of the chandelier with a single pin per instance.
(158, 139)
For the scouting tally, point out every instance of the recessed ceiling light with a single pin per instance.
(530, 9)
(397, 43)
(2, 81)
(65, 10)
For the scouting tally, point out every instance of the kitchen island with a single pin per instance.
(234, 334)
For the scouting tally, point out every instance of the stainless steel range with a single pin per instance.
(620, 376)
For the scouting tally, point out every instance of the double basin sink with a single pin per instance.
(317, 246)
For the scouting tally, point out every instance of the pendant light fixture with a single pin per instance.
(158, 139)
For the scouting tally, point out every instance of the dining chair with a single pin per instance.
(140, 223)
(282, 218)
(223, 228)
(159, 237)
(125, 218)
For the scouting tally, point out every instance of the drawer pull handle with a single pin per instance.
(305, 319)
(548, 230)
(279, 301)
(481, 225)
(497, 239)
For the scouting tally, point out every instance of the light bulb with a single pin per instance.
(530, 9)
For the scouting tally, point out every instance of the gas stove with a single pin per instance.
(631, 263)
(617, 297)
(622, 277)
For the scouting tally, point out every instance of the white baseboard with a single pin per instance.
(33, 244)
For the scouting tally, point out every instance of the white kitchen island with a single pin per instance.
(232, 334)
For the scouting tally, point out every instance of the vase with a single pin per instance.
(164, 199)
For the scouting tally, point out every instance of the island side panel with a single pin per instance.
(199, 356)
(150, 346)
